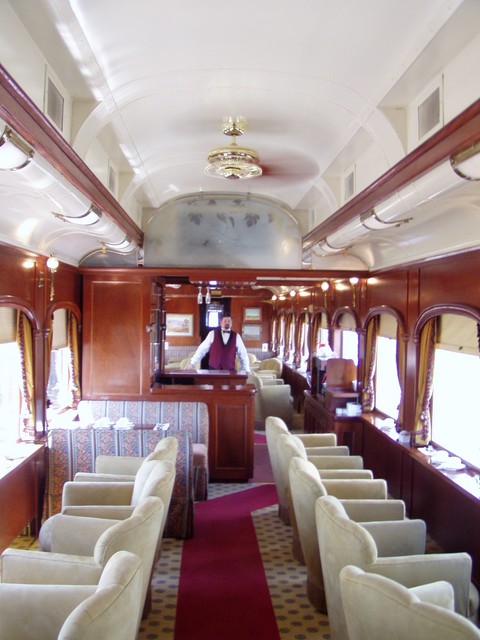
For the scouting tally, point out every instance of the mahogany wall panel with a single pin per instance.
(116, 357)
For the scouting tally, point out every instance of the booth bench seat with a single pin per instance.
(75, 449)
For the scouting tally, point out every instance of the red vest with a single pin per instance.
(222, 356)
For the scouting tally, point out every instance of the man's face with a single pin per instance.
(226, 323)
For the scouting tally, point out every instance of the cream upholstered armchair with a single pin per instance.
(124, 468)
(306, 486)
(341, 481)
(117, 500)
(273, 398)
(273, 428)
(274, 365)
(377, 608)
(108, 609)
(75, 550)
(387, 549)
(333, 458)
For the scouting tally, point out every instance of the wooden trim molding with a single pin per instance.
(440, 309)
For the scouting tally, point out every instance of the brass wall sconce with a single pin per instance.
(52, 265)
(354, 281)
(325, 287)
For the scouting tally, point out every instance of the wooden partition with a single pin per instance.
(231, 425)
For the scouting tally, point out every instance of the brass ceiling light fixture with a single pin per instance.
(233, 162)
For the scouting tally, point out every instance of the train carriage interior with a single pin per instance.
(312, 170)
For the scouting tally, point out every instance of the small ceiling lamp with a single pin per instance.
(466, 164)
(14, 152)
(326, 247)
(208, 297)
(372, 222)
(92, 216)
(52, 266)
(233, 162)
(200, 296)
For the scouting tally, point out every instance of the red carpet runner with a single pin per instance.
(223, 593)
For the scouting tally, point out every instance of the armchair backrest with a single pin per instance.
(305, 489)
(154, 478)
(341, 541)
(377, 608)
(114, 610)
(138, 534)
(273, 428)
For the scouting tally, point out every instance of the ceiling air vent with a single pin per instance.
(349, 186)
(55, 103)
(429, 113)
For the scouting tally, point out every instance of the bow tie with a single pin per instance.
(225, 330)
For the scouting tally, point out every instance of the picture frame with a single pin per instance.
(179, 325)
(252, 332)
(252, 314)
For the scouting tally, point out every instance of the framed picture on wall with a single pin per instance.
(252, 314)
(179, 324)
(252, 332)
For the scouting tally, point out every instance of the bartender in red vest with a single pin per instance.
(222, 345)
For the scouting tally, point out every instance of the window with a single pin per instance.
(387, 388)
(10, 393)
(349, 345)
(14, 410)
(214, 315)
(61, 385)
(455, 387)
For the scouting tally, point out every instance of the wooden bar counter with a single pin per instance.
(231, 423)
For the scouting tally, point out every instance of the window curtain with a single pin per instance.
(292, 332)
(72, 336)
(368, 393)
(274, 333)
(48, 348)
(401, 374)
(25, 347)
(301, 338)
(426, 363)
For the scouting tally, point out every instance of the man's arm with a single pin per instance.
(242, 354)
(201, 351)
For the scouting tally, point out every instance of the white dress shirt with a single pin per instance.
(204, 348)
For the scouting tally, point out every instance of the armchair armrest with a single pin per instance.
(37, 599)
(105, 511)
(318, 439)
(335, 450)
(69, 535)
(367, 510)
(42, 567)
(82, 476)
(86, 493)
(439, 593)
(336, 462)
(400, 538)
(412, 571)
(357, 489)
(345, 474)
(123, 465)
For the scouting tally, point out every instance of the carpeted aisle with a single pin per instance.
(223, 592)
